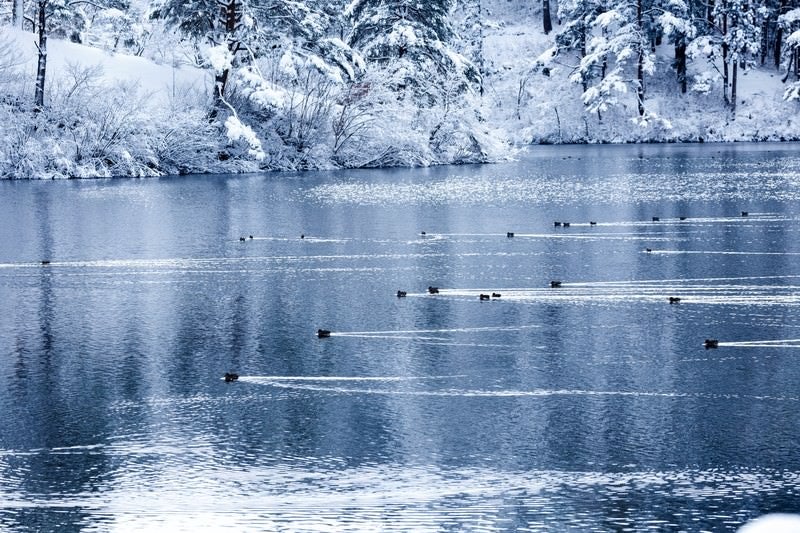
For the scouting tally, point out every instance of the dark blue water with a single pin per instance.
(589, 407)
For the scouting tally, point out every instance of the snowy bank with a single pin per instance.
(535, 107)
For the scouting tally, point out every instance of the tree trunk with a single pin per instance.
(640, 63)
(680, 63)
(640, 85)
(477, 41)
(547, 22)
(776, 51)
(41, 66)
(229, 12)
(604, 65)
(584, 81)
(725, 76)
(733, 87)
(19, 14)
(734, 73)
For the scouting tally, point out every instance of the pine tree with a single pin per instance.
(574, 37)
(625, 38)
(677, 23)
(236, 32)
(731, 40)
(410, 39)
(790, 22)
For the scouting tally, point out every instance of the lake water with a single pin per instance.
(588, 407)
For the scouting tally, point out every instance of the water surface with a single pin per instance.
(589, 407)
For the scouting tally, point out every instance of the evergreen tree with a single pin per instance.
(237, 32)
(790, 23)
(731, 40)
(410, 40)
(625, 38)
(677, 23)
(574, 37)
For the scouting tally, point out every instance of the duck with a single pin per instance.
(674, 300)
(483, 297)
(230, 376)
(510, 234)
(711, 343)
(401, 294)
(323, 333)
(495, 295)
(433, 290)
(555, 284)
(656, 219)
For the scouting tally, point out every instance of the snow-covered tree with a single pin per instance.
(677, 23)
(730, 40)
(620, 35)
(410, 40)
(572, 39)
(790, 23)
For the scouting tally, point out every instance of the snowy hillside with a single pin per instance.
(324, 84)
(534, 108)
(65, 60)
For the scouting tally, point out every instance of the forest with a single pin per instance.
(253, 85)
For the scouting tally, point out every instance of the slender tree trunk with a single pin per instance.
(604, 65)
(640, 62)
(229, 12)
(547, 22)
(584, 81)
(733, 87)
(475, 19)
(680, 63)
(640, 85)
(41, 45)
(776, 51)
(18, 17)
(734, 70)
(725, 76)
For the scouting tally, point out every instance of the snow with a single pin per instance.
(532, 93)
(550, 107)
(157, 80)
(219, 57)
(773, 523)
(236, 131)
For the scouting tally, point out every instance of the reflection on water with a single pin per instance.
(589, 405)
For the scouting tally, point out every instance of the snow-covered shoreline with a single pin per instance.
(116, 115)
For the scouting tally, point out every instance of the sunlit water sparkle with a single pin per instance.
(589, 406)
